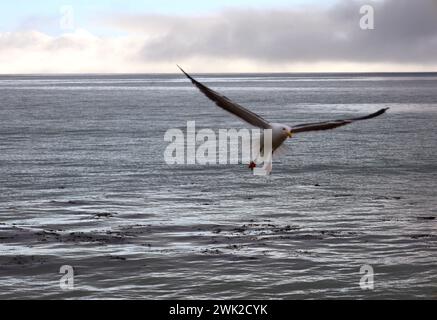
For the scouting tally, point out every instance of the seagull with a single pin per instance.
(280, 132)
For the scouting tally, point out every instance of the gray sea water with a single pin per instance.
(83, 182)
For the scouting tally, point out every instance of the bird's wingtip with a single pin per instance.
(181, 68)
(381, 111)
(186, 74)
(384, 110)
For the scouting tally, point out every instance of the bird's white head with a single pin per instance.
(281, 129)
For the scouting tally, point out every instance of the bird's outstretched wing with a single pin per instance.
(326, 125)
(232, 107)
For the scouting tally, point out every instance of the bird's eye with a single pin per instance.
(283, 128)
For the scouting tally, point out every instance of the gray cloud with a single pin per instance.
(405, 32)
(305, 39)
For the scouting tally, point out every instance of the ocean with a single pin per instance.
(84, 184)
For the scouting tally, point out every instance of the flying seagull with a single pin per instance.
(280, 132)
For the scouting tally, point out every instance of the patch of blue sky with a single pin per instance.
(45, 15)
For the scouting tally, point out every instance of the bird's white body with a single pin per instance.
(280, 133)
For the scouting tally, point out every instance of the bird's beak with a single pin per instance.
(289, 134)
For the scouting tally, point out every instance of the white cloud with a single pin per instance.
(79, 51)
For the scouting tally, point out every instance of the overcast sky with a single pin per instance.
(216, 36)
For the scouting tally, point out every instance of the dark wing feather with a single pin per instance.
(232, 107)
(326, 125)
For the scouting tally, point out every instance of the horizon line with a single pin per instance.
(230, 73)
